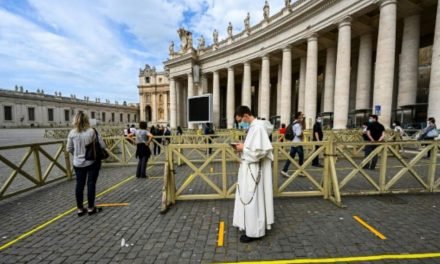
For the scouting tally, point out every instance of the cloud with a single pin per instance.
(96, 48)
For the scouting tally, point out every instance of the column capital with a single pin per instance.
(230, 68)
(312, 37)
(346, 21)
(383, 3)
(247, 63)
(265, 57)
(287, 48)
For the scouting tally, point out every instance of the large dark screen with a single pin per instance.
(199, 109)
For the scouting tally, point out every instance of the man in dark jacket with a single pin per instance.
(318, 135)
(375, 133)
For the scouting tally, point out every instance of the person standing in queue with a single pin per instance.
(143, 152)
(375, 133)
(318, 135)
(85, 170)
(253, 210)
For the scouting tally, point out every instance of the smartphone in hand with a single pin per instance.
(233, 145)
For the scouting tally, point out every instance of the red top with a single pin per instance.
(282, 131)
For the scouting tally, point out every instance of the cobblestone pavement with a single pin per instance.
(187, 233)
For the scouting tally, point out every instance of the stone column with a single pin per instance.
(342, 82)
(434, 84)
(203, 89)
(190, 93)
(153, 108)
(311, 80)
(178, 104)
(173, 104)
(260, 78)
(216, 98)
(385, 59)
(329, 82)
(166, 116)
(409, 61)
(265, 87)
(365, 62)
(279, 81)
(246, 93)
(230, 98)
(302, 84)
(286, 85)
(142, 105)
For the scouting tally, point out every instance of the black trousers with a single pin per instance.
(89, 174)
(141, 171)
(371, 165)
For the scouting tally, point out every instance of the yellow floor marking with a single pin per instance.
(221, 231)
(32, 231)
(346, 259)
(113, 204)
(367, 226)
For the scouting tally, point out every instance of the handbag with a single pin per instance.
(94, 150)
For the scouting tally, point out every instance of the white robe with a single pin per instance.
(257, 216)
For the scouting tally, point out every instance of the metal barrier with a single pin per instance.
(26, 162)
(401, 168)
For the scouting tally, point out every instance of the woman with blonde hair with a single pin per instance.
(77, 140)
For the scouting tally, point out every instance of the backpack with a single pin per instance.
(290, 134)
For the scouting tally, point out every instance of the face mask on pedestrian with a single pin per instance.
(244, 124)
(319, 120)
(394, 125)
(371, 120)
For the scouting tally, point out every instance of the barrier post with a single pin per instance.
(69, 173)
(37, 167)
(383, 168)
(275, 170)
(432, 166)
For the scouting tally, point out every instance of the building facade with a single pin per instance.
(342, 58)
(20, 108)
(153, 96)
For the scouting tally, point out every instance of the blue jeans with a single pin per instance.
(293, 151)
(89, 173)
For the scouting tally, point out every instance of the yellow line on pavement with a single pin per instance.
(32, 231)
(346, 259)
(221, 231)
(367, 226)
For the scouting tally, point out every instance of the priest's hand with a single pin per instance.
(239, 147)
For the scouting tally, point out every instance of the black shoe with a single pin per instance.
(95, 210)
(82, 212)
(246, 239)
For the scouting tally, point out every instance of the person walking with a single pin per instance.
(143, 152)
(85, 170)
(375, 133)
(297, 130)
(253, 209)
(318, 135)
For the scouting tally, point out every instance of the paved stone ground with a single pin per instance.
(305, 227)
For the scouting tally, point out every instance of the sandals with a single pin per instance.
(94, 211)
(81, 212)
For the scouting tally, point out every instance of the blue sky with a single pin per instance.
(95, 48)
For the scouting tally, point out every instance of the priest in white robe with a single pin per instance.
(253, 210)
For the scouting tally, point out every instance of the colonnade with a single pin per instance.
(336, 88)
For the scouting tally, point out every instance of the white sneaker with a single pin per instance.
(285, 174)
